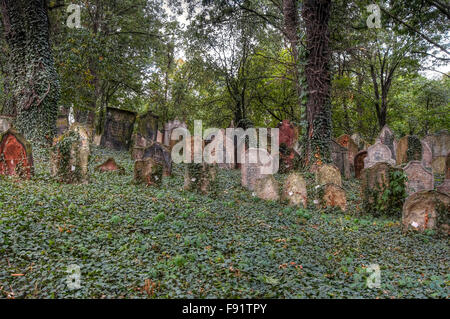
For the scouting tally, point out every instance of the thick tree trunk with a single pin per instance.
(34, 82)
(316, 14)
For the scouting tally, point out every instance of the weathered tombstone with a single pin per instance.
(440, 146)
(327, 174)
(5, 123)
(16, 157)
(200, 177)
(139, 144)
(359, 162)
(70, 155)
(409, 148)
(148, 171)
(255, 164)
(161, 155)
(118, 129)
(352, 149)
(334, 196)
(378, 153)
(62, 123)
(267, 188)
(288, 136)
(110, 166)
(339, 155)
(427, 155)
(294, 190)
(168, 129)
(159, 137)
(387, 137)
(147, 126)
(419, 178)
(427, 210)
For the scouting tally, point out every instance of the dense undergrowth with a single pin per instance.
(132, 241)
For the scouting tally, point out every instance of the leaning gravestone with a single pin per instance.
(358, 162)
(70, 156)
(440, 146)
(334, 196)
(148, 171)
(327, 174)
(118, 129)
(409, 148)
(347, 142)
(267, 188)
(419, 178)
(427, 210)
(16, 158)
(5, 123)
(339, 155)
(387, 137)
(378, 153)
(255, 164)
(294, 190)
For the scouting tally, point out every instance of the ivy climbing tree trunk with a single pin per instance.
(34, 83)
(316, 14)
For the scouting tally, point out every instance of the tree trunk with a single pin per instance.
(34, 82)
(316, 14)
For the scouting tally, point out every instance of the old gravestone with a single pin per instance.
(168, 129)
(255, 164)
(339, 155)
(294, 190)
(147, 126)
(358, 162)
(110, 166)
(5, 123)
(378, 153)
(440, 146)
(70, 155)
(148, 171)
(327, 174)
(333, 196)
(267, 188)
(427, 210)
(118, 129)
(200, 177)
(288, 137)
(409, 148)
(445, 186)
(387, 137)
(427, 155)
(16, 158)
(161, 155)
(62, 123)
(352, 149)
(419, 178)
(362, 144)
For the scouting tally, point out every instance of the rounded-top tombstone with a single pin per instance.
(16, 158)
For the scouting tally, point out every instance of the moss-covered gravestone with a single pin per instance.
(445, 186)
(340, 157)
(118, 129)
(16, 157)
(387, 138)
(200, 177)
(440, 147)
(409, 148)
(419, 178)
(383, 189)
(267, 188)
(255, 164)
(358, 162)
(161, 155)
(62, 123)
(147, 126)
(328, 174)
(70, 156)
(427, 210)
(294, 190)
(288, 137)
(148, 171)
